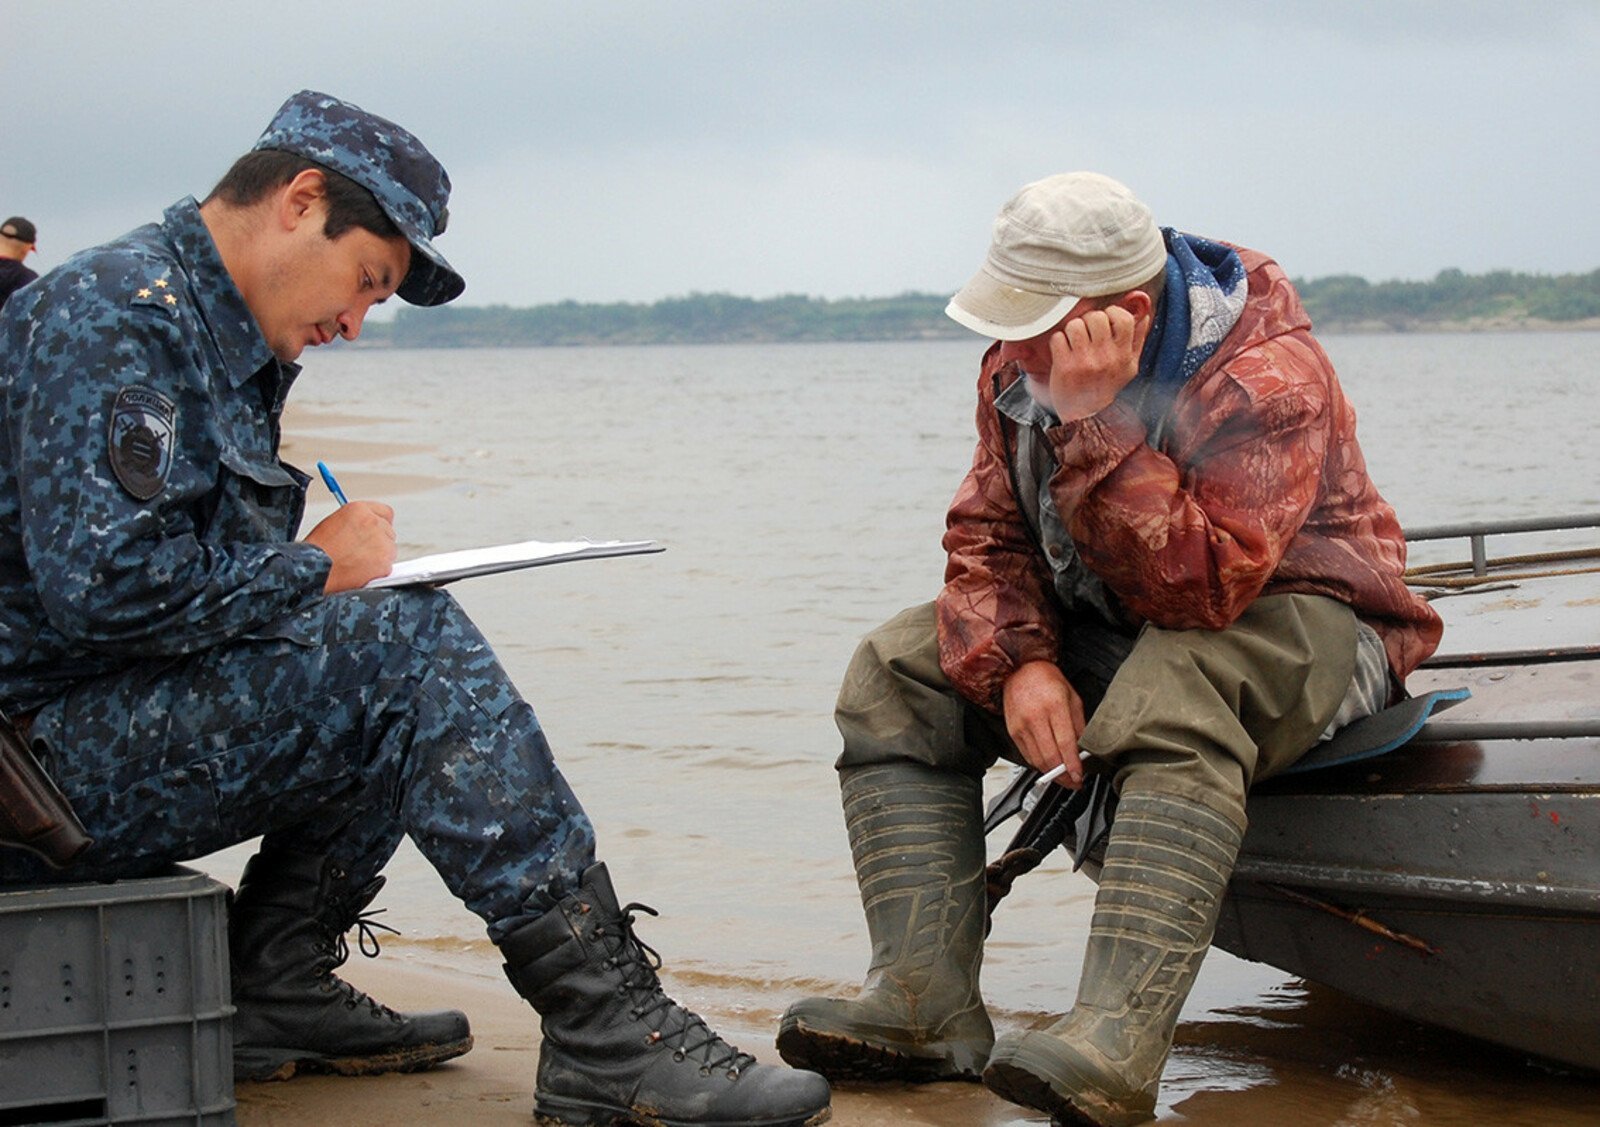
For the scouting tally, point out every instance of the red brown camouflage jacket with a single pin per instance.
(1259, 487)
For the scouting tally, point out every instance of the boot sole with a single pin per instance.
(1022, 1082)
(839, 1056)
(269, 1064)
(553, 1111)
(1022, 1087)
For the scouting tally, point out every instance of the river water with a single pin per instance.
(800, 493)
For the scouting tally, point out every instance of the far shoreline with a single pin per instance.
(378, 341)
(1484, 325)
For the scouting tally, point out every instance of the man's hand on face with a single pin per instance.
(1044, 715)
(359, 539)
(1093, 357)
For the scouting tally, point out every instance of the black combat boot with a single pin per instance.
(617, 1050)
(286, 936)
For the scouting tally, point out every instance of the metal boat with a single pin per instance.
(1456, 878)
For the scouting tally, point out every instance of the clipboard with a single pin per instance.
(446, 567)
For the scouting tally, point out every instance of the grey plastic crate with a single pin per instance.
(114, 1003)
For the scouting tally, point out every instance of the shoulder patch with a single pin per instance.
(140, 442)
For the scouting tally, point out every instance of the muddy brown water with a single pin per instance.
(800, 493)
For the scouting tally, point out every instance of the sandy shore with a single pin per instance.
(357, 462)
(492, 1086)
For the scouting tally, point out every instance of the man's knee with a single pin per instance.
(897, 704)
(415, 635)
(1224, 704)
(903, 651)
(423, 618)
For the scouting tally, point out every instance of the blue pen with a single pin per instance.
(331, 482)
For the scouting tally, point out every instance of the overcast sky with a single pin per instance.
(611, 151)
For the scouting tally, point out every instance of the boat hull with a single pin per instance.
(1425, 883)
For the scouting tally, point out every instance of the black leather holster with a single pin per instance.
(34, 815)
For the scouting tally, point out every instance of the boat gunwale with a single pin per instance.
(1464, 894)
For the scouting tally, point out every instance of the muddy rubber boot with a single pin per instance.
(617, 1049)
(916, 837)
(286, 936)
(1167, 865)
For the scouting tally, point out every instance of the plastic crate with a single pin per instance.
(114, 1003)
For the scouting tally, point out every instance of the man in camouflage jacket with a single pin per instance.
(192, 676)
(1167, 565)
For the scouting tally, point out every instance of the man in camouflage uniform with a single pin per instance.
(192, 676)
(1168, 516)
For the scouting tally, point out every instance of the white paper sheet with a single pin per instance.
(444, 567)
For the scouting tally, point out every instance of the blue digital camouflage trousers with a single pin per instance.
(334, 730)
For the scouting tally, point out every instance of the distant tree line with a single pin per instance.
(1343, 301)
(696, 319)
(1452, 298)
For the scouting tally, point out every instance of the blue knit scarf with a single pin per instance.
(1203, 298)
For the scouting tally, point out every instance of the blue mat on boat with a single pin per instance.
(1379, 733)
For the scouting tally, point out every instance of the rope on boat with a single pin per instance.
(1530, 558)
(1358, 917)
(1430, 575)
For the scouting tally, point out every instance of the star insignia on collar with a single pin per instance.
(170, 300)
(145, 292)
(160, 283)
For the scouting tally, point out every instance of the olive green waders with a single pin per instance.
(1191, 719)
(1194, 717)
(915, 835)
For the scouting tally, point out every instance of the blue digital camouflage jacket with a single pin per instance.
(144, 511)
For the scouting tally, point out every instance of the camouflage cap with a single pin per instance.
(410, 185)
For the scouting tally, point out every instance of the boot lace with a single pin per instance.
(367, 929)
(683, 1031)
(337, 950)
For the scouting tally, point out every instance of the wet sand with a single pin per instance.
(1318, 1060)
(493, 1084)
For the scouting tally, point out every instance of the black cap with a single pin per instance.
(20, 229)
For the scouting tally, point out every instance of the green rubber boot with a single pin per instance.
(1167, 865)
(916, 837)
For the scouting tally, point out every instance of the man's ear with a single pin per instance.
(304, 197)
(1136, 302)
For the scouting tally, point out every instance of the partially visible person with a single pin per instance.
(18, 239)
(1167, 476)
(192, 674)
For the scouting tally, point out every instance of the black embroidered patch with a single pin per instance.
(141, 440)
